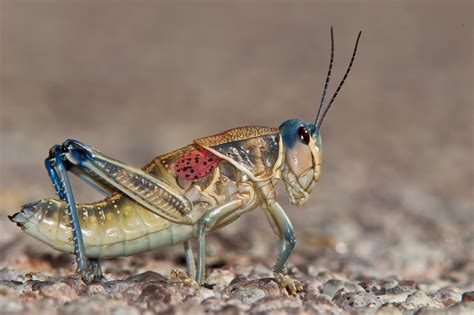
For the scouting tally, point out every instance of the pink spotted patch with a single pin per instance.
(195, 164)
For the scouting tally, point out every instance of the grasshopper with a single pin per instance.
(179, 196)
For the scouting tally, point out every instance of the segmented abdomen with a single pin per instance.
(114, 227)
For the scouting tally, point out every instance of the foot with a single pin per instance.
(179, 276)
(285, 282)
(91, 274)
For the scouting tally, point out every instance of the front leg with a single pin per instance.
(281, 226)
(277, 232)
(279, 222)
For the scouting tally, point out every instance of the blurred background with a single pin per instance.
(139, 79)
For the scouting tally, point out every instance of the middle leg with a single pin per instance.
(191, 265)
(207, 222)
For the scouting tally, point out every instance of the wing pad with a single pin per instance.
(151, 192)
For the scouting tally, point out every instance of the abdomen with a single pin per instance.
(114, 227)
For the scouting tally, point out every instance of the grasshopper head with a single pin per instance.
(302, 143)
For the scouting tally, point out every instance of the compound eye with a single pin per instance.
(304, 135)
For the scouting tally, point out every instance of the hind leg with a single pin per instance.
(88, 269)
(93, 272)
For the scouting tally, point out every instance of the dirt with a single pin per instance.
(389, 227)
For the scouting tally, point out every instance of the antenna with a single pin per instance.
(328, 76)
(320, 121)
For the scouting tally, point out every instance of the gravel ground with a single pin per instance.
(389, 228)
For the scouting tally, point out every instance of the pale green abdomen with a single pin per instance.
(114, 227)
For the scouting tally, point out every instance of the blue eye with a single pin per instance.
(304, 135)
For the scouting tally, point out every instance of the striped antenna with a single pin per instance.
(328, 76)
(320, 121)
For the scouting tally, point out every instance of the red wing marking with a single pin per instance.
(195, 164)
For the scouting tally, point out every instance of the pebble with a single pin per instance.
(124, 310)
(248, 295)
(319, 299)
(10, 306)
(252, 291)
(468, 296)
(256, 292)
(389, 309)
(97, 305)
(357, 300)
(275, 305)
(461, 308)
(218, 306)
(333, 286)
(317, 309)
(59, 291)
(8, 274)
(419, 299)
(448, 295)
(220, 278)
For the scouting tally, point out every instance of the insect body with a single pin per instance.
(179, 196)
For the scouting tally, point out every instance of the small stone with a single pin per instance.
(220, 277)
(97, 305)
(468, 296)
(332, 286)
(278, 305)
(309, 308)
(10, 306)
(124, 310)
(248, 295)
(251, 291)
(8, 274)
(96, 289)
(217, 305)
(147, 276)
(76, 284)
(434, 286)
(389, 309)
(461, 308)
(239, 278)
(319, 299)
(194, 308)
(59, 291)
(419, 299)
(394, 298)
(431, 311)
(312, 287)
(378, 287)
(407, 283)
(228, 310)
(347, 300)
(448, 295)
(8, 288)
